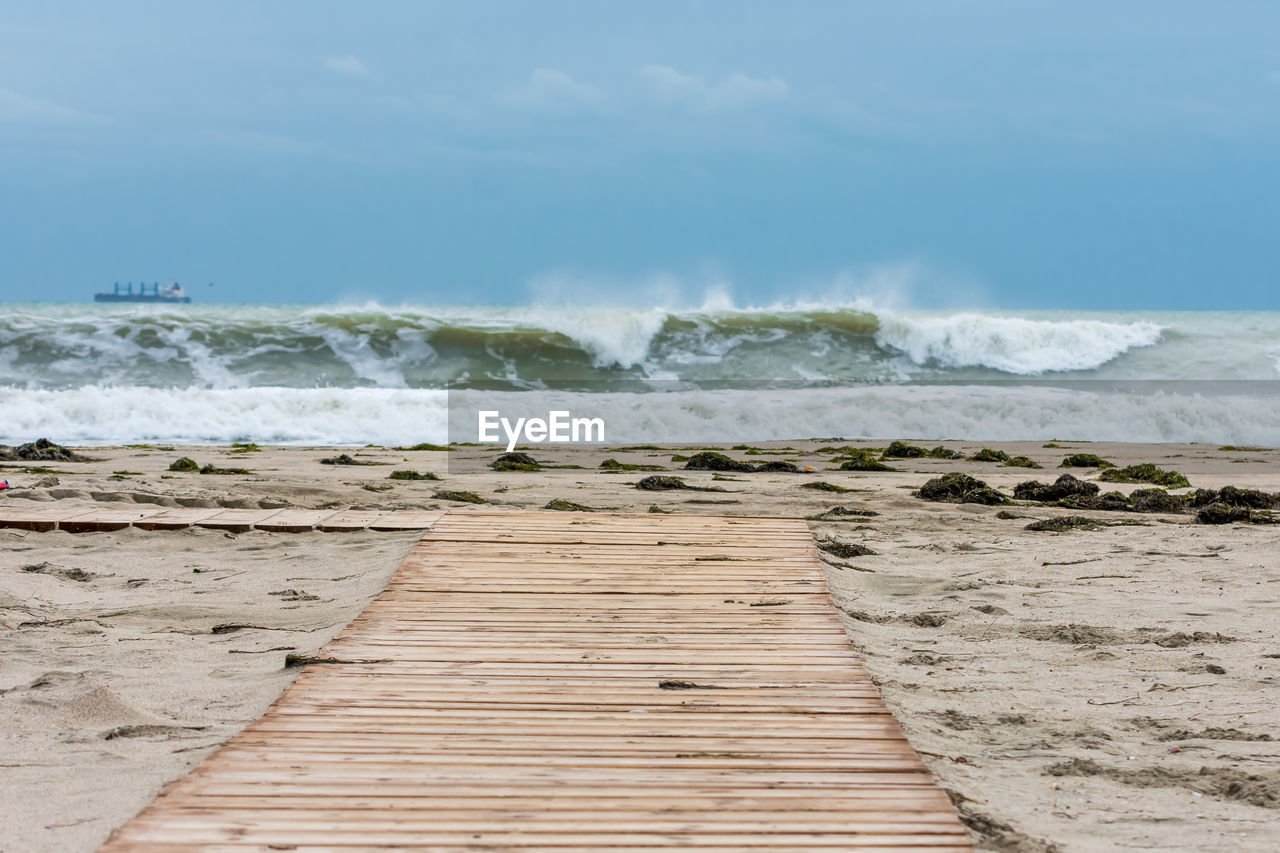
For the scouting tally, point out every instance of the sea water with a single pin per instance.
(87, 373)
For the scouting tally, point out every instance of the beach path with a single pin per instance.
(84, 519)
(577, 682)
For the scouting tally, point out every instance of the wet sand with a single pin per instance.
(1086, 690)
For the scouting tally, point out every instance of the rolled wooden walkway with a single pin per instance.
(540, 681)
(56, 515)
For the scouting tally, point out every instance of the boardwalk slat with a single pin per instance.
(237, 520)
(294, 520)
(534, 681)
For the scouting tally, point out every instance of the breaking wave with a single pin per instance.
(354, 375)
(67, 346)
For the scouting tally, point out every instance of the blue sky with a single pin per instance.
(1013, 154)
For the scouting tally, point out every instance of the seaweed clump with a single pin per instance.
(1071, 493)
(615, 465)
(1022, 462)
(214, 469)
(1108, 501)
(1086, 460)
(847, 512)
(1064, 523)
(956, 487)
(185, 463)
(863, 460)
(41, 450)
(411, 475)
(819, 486)
(839, 548)
(1233, 496)
(516, 462)
(1146, 473)
(988, 454)
(567, 506)
(1156, 500)
(344, 459)
(1223, 513)
(903, 450)
(1064, 487)
(709, 460)
(660, 483)
(460, 497)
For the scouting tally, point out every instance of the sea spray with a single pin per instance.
(357, 416)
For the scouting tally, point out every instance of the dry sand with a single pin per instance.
(1087, 690)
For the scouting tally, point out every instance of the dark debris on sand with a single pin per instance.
(344, 459)
(903, 450)
(460, 497)
(516, 462)
(1145, 472)
(40, 450)
(840, 548)
(709, 460)
(1233, 496)
(1212, 506)
(1223, 513)
(1064, 523)
(955, 487)
(615, 465)
(662, 482)
(862, 460)
(1064, 487)
(411, 475)
(1086, 460)
(562, 505)
(820, 486)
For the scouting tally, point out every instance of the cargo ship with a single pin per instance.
(157, 292)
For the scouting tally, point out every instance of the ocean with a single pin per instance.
(372, 374)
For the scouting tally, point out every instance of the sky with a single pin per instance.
(978, 152)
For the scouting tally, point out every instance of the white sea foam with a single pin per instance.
(333, 416)
(1013, 344)
(319, 416)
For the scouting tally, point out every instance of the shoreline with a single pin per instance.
(1125, 658)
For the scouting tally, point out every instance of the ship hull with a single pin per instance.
(134, 297)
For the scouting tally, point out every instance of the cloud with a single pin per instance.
(348, 65)
(736, 91)
(20, 109)
(555, 92)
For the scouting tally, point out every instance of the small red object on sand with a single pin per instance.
(4, 484)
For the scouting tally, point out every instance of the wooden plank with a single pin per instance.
(347, 520)
(531, 681)
(178, 518)
(115, 517)
(406, 520)
(237, 520)
(294, 520)
(37, 517)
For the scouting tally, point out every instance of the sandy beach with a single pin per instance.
(1110, 686)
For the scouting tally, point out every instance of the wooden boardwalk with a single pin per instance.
(56, 515)
(542, 681)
